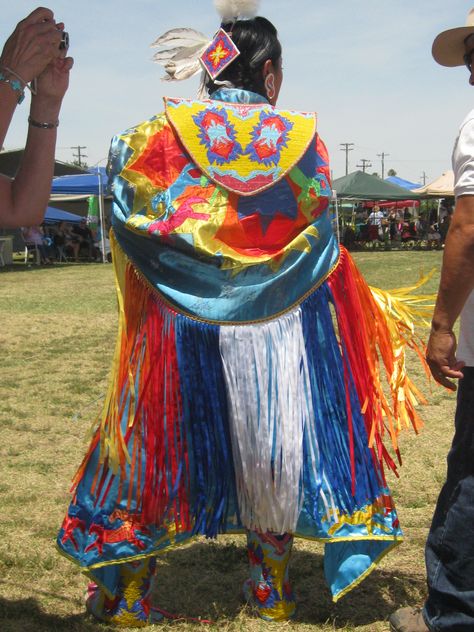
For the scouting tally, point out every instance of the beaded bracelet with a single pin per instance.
(15, 85)
(41, 125)
(17, 76)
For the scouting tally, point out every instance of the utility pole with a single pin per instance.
(347, 147)
(78, 155)
(365, 164)
(383, 156)
(423, 177)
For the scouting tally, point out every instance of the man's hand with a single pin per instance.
(441, 358)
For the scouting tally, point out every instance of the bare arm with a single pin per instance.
(457, 282)
(31, 52)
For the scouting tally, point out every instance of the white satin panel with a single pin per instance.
(269, 398)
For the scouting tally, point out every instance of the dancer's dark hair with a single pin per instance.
(257, 41)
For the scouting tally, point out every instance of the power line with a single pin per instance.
(365, 164)
(347, 147)
(382, 156)
(78, 155)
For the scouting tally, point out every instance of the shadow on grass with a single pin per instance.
(26, 615)
(204, 580)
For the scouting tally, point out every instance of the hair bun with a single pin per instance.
(236, 9)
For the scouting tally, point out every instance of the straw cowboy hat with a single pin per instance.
(448, 47)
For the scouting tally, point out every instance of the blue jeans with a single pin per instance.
(450, 545)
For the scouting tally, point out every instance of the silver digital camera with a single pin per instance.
(64, 44)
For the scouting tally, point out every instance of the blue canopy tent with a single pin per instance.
(400, 182)
(101, 170)
(54, 215)
(82, 186)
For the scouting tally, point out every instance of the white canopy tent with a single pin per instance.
(441, 187)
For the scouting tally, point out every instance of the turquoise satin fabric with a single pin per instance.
(237, 95)
(200, 285)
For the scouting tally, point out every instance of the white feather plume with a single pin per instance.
(180, 37)
(182, 47)
(241, 9)
(180, 58)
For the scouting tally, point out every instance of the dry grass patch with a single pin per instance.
(57, 338)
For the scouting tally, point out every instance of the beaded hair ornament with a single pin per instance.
(187, 51)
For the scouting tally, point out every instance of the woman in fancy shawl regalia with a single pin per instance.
(246, 392)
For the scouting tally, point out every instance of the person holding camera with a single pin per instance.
(33, 58)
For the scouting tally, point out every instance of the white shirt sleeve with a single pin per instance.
(463, 167)
(463, 158)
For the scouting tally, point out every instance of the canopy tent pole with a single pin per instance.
(102, 216)
(336, 208)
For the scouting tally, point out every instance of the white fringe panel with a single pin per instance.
(270, 410)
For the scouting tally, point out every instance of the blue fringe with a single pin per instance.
(213, 500)
(329, 404)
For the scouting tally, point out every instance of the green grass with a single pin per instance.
(57, 338)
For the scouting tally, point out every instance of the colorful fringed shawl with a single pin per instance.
(246, 389)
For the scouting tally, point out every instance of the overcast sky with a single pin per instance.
(365, 67)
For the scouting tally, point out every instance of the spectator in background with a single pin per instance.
(82, 235)
(394, 225)
(34, 236)
(444, 227)
(32, 58)
(433, 236)
(64, 242)
(360, 214)
(408, 231)
(422, 226)
(445, 208)
(376, 216)
(375, 220)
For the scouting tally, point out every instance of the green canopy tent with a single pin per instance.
(362, 186)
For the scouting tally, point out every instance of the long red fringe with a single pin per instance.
(367, 346)
(145, 379)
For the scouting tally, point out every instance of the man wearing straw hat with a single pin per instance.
(450, 544)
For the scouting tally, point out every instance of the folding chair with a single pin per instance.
(29, 248)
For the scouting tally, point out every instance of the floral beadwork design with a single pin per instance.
(218, 135)
(268, 138)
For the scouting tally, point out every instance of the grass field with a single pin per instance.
(56, 339)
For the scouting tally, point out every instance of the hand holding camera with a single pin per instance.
(37, 50)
